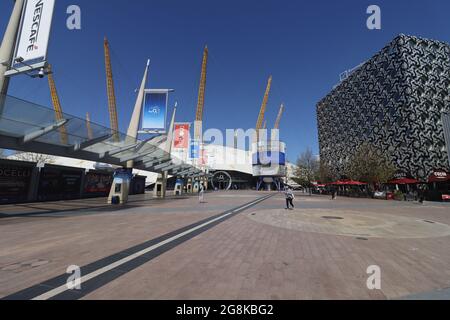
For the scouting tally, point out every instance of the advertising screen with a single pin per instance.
(97, 183)
(269, 159)
(155, 111)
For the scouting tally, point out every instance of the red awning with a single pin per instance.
(347, 183)
(404, 181)
(337, 183)
(354, 183)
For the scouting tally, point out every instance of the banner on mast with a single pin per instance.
(33, 36)
(194, 151)
(203, 156)
(154, 114)
(181, 136)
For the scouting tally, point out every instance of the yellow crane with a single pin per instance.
(88, 126)
(201, 97)
(57, 106)
(111, 93)
(262, 112)
(280, 114)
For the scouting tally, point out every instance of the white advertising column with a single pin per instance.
(196, 187)
(179, 185)
(160, 186)
(189, 185)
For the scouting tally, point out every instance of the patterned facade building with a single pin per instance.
(394, 101)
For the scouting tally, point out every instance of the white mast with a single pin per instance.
(134, 123)
(8, 44)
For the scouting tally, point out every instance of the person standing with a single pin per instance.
(421, 194)
(201, 193)
(289, 198)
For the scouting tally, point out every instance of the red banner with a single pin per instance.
(203, 157)
(181, 136)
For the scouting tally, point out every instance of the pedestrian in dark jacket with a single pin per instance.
(333, 192)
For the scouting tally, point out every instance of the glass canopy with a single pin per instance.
(30, 127)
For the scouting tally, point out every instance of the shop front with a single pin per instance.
(60, 183)
(439, 186)
(15, 181)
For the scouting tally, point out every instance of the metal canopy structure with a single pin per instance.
(29, 127)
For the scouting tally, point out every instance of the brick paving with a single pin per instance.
(245, 257)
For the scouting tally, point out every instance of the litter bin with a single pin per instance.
(115, 200)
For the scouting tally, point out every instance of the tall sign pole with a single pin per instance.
(8, 45)
(134, 123)
(160, 188)
(122, 178)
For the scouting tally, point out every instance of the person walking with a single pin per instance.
(289, 198)
(333, 192)
(201, 193)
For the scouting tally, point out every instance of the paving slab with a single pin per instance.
(320, 250)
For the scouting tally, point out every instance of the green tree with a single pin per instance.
(325, 174)
(307, 168)
(369, 164)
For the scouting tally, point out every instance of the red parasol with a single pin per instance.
(354, 183)
(348, 183)
(404, 181)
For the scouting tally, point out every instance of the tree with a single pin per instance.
(325, 173)
(307, 168)
(369, 164)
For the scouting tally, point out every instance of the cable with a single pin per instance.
(118, 62)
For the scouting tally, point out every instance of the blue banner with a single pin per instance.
(269, 158)
(194, 149)
(155, 112)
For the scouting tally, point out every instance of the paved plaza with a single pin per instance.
(235, 245)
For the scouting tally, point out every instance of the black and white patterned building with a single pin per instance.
(395, 101)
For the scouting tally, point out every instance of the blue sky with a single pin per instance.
(305, 45)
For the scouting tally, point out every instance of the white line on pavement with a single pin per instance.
(54, 292)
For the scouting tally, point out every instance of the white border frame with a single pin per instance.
(156, 131)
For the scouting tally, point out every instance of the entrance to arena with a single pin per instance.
(221, 180)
